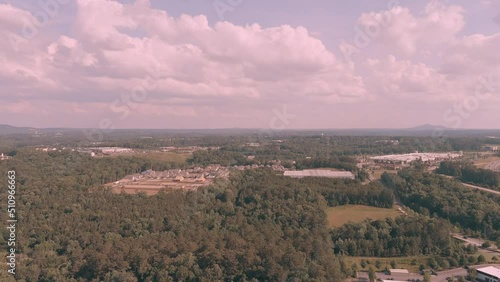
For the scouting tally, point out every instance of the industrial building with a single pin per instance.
(105, 150)
(319, 173)
(488, 274)
(408, 158)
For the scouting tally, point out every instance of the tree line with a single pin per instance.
(468, 172)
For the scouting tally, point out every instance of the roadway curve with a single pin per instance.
(473, 186)
(482, 189)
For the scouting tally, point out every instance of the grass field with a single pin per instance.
(377, 173)
(410, 263)
(340, 215)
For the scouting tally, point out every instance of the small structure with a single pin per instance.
(488, 274)
(400, 273)
(179, 178)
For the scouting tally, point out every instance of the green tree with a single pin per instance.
(481, 259)
(363, 263)
(371, 275)
(427, 276)
(472, 274)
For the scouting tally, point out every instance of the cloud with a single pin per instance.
(184, 67)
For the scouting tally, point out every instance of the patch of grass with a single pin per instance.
(411, 263)
(377, 173)
(340, 215)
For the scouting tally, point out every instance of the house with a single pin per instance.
(488, 274)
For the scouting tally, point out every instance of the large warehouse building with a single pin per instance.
(319, 173)
(488, 274)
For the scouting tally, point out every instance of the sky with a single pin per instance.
(250, 64)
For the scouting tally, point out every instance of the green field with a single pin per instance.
(340, 215)
(411, 263)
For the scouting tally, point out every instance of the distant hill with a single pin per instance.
(8, 129)
(428, 127)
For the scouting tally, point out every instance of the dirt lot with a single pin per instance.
(152, 187)
(493, 166)
(338, 216)
(492, 163)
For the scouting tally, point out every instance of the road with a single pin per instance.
(474, 186)
(472, 241)
(440, 277)
(482, 189)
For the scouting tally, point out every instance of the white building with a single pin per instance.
(488, 274)
(3, 157)
(319, 173)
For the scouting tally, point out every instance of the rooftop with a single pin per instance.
(490, 270)
(319, 173)
(398, 271)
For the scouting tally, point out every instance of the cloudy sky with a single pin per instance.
(241, 63)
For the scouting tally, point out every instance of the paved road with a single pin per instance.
(482, 189)
(474, 186)
(476, 242)
(472, 241)
(440, 277)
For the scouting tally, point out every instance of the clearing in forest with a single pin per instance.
(340, 215)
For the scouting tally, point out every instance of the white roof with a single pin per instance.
(490, 270)
(319, 173)
(399, 271)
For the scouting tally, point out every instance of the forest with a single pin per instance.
(255, 226)
(467, 172)
(402, 236)
(440, 197)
